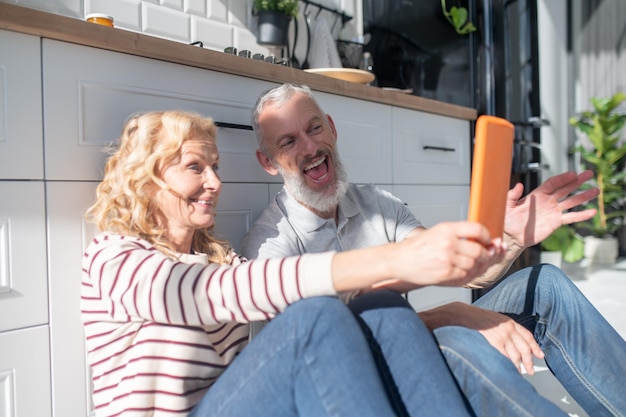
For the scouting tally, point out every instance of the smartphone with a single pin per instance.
(491, 173)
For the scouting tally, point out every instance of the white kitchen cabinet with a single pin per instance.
(86, 104)
(432, 204)
(43, 233)
(68, 236)
(23, 280)
(429, 148)
(238, 208)
(21, 141)
(364, 137)
(25, 373)
(431, 174)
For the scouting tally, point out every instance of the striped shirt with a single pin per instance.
(159, 331)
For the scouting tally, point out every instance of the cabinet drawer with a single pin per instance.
(86, 104)
(432, 205)
(25, 373)
(21, 141)
(23, 279)
(430, 149)
(364, 137)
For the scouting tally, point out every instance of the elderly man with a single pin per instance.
(536, 311)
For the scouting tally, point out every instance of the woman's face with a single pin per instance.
(194, 185)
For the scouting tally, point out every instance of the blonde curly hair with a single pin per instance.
(133, 174)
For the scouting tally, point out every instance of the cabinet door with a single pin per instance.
(364, 137)
(87, 102)
(21, 142)
(25, 373)
(69, 235)
(238, 208)
(431, 205)
(23, 279)
(430, 149)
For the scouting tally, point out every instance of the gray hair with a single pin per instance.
(277, 96)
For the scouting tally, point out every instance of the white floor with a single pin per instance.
(606, 289)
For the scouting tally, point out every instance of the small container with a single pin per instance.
(100, 19)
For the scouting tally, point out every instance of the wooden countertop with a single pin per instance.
(47, 25)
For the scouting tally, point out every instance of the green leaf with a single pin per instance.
(458, 18)
(567, 241)
(575, 252)
(606, 156)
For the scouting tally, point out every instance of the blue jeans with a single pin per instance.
(491, 384)
(581, 348)
(313, 360)
(423, 382)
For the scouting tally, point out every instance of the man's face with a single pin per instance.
(300, 141)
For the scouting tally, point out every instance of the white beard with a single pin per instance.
(320, 201)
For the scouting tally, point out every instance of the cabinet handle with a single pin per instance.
(233, 126)
(438, 148)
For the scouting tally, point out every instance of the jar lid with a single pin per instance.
(99, 15)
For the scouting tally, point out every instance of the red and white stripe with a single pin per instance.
(159, 331)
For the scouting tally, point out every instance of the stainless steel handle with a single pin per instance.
(233, 126)
(534, 167)
(438, 148)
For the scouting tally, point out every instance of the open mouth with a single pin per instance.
(202, 202)
(318, 170)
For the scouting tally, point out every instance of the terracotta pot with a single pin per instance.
(273, 28)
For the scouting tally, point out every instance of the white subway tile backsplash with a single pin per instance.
(164, 22)
(214, 35)
(173, 4)
(238, 12)
(217, 23)
(72, 8)
(196, 7)
(218, 10)
(244, 39)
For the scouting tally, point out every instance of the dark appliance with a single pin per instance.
(494, 69)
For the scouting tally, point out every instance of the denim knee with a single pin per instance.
(377, 300)
(459, 339)
(463, 345)
(317, 312)
(552, 282)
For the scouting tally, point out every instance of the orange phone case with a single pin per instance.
(491, 173)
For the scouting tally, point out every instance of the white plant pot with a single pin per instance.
(551, 257)
(601, 251)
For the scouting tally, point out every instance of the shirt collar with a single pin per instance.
(309, 221)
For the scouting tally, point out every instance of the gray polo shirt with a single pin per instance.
(368, 216)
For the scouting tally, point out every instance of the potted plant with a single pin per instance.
(564, 244)
(605, 156)
(274, 17)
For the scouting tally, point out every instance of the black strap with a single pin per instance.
(383, 369)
